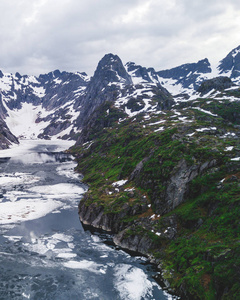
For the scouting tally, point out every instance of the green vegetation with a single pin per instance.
(203, 256)
(206, 253)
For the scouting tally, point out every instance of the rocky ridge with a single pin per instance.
(60, 103)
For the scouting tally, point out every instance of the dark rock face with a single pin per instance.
(137, 243)
(6, 137)
(231, 63)
(177, 187)
(218, 83)
(96, 216)
(61, 87)
(104, 86)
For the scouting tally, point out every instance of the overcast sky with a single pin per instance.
(39, 36)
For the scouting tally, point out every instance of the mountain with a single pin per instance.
(59, 104)
(164, 178)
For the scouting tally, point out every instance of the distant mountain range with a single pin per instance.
(59, 104)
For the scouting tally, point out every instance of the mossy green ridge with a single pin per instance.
(179, 199)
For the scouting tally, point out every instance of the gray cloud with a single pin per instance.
(38, 36)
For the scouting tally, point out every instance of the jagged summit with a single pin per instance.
(202, 66)
(141, 73)
(110, 69)
(230, 65)
(185, 77)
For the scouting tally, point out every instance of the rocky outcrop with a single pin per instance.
(103, 87)
(94, 216)
(218, 84)
(103, 217)
(177, 187)
(140, 243)
(6, 137)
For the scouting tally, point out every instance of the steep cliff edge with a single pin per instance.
(6, 137)
(167, 186)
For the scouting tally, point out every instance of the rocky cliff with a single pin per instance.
(6, 137)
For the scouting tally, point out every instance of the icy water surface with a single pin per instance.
(44, 251)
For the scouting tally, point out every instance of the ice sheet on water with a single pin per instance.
(34, 158)
(49, 245)
(88, 265)
(26, 146)
(26, 209)
(132, 283)
(66, 255)
(67, 169)
(60, 190)
(10, 179)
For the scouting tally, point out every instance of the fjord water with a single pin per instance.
(44, 251)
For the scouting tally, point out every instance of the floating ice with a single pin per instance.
(86, 265)
(26, 146)
(26, 209)
(132, 283)
(67, 169)
(10, 179)
(66, 255)
(62, 190)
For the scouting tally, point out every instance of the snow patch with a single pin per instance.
(235, 159)
(22, 122)
(205, 111)
(119, 183)
(206, 129)
(230, 148)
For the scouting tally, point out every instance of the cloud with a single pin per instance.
(38, 36)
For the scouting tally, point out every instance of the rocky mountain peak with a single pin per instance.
(111, 69)
(146, 74)
(202, 66)
(231, 64)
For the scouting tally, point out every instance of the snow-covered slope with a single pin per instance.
(41, 106)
